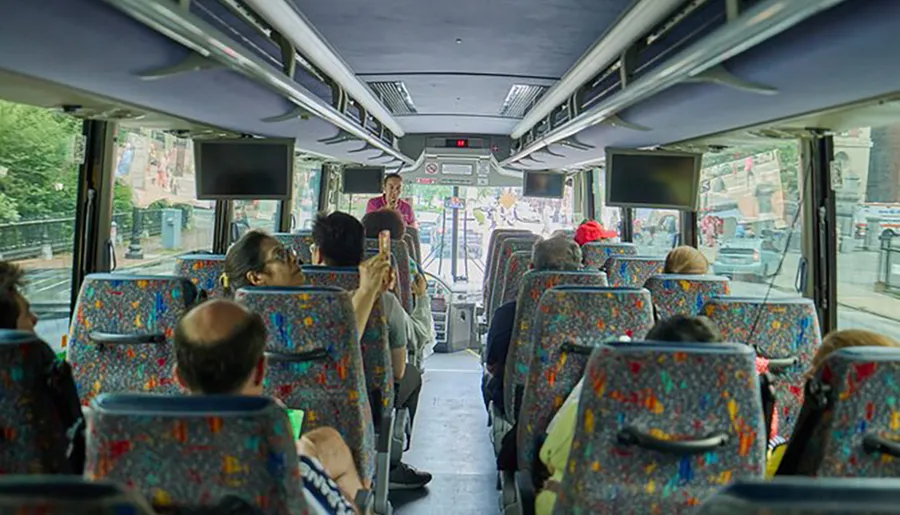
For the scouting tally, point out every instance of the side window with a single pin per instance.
(307, 181)
(39, 152)
(749, 219)
(157, 216)
(656, 231)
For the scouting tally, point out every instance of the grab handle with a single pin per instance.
(633, 436)
(126, 339)
(779, 364)
(313, 355)
(874, 443)
(576, 349)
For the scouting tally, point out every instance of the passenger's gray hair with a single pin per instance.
(556, 253)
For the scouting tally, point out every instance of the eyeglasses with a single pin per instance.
(284, 255)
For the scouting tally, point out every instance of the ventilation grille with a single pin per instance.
(520, 99)
(395, 96)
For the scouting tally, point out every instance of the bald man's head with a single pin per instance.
(219, 348)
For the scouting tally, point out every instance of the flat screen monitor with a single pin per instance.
(246, 168)
(544, 185)
(652, 178)
(363, 180)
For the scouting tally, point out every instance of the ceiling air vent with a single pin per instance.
(395, 96)
(520, 98)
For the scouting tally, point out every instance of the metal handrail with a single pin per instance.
(757, 24)
(181, 26)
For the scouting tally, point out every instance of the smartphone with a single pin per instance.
(384, 243)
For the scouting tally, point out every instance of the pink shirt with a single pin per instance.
(403, 207)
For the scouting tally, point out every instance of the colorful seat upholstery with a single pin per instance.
(491, 261)
(376, 352)
(779, 329)
(300, 241)
(68, 495)
(662, 427)
(596, 253)
(315, 362)
(401, 258)
(684, 294)
(518, 264)
(632, 271)
(204, 270)
(571, 322)
(850, 418)
(805, 496)
(121, 335)
(534, 284)
(190, 450)
(412, 241)
(33, 428)
(507, 246)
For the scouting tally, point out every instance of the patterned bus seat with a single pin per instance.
(571, 322)
(806, 496)
(518, 264)
(782, 330)
(204, 270)
(632, 271)
(68, 495)
(534, 284)
(121, 335)
(675, 294)
(507, 247)
(850, 418)
(596, 253)
(32, 424)
(194, 450)
(413, 246)
(401, 257)
(491, 261)
(315, 362)
(300, 241)
(662, 427)
(376, 352)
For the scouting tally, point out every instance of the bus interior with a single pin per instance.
(793, 107)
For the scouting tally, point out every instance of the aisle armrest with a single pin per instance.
(382, 505)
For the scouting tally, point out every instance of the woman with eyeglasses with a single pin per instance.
(258, 259)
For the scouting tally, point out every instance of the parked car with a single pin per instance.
(753, 256)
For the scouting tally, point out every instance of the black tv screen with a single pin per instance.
(248, 168)
(363, 180)
(651, 178)
(543, 185)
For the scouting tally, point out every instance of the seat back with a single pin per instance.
(412, 247)
(661, 427)
(806, 496)
(491, 261)
(300, 241)
(786, 331)
(518, 264)
(571, 322)
(65, 495)
(507, 247)
(675, 294)
(376, 352)
(121, 335)
(401, 258)
(204, 270)
(32, 426)
(190, 450)
(534, 284)
(596, 253)
(315, 362)
(849, 420)
(632, 271)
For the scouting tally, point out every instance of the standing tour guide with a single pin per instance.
(390, 199)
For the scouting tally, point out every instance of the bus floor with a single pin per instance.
(451, 441)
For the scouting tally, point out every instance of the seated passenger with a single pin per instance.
(258, 259)
(15, 310)
(421, 335)
(554, 453)
(686, 260)
(834, 341)
(557, 253)
(339, 240)
(219, 349)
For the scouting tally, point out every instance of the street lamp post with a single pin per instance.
(135, 251)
